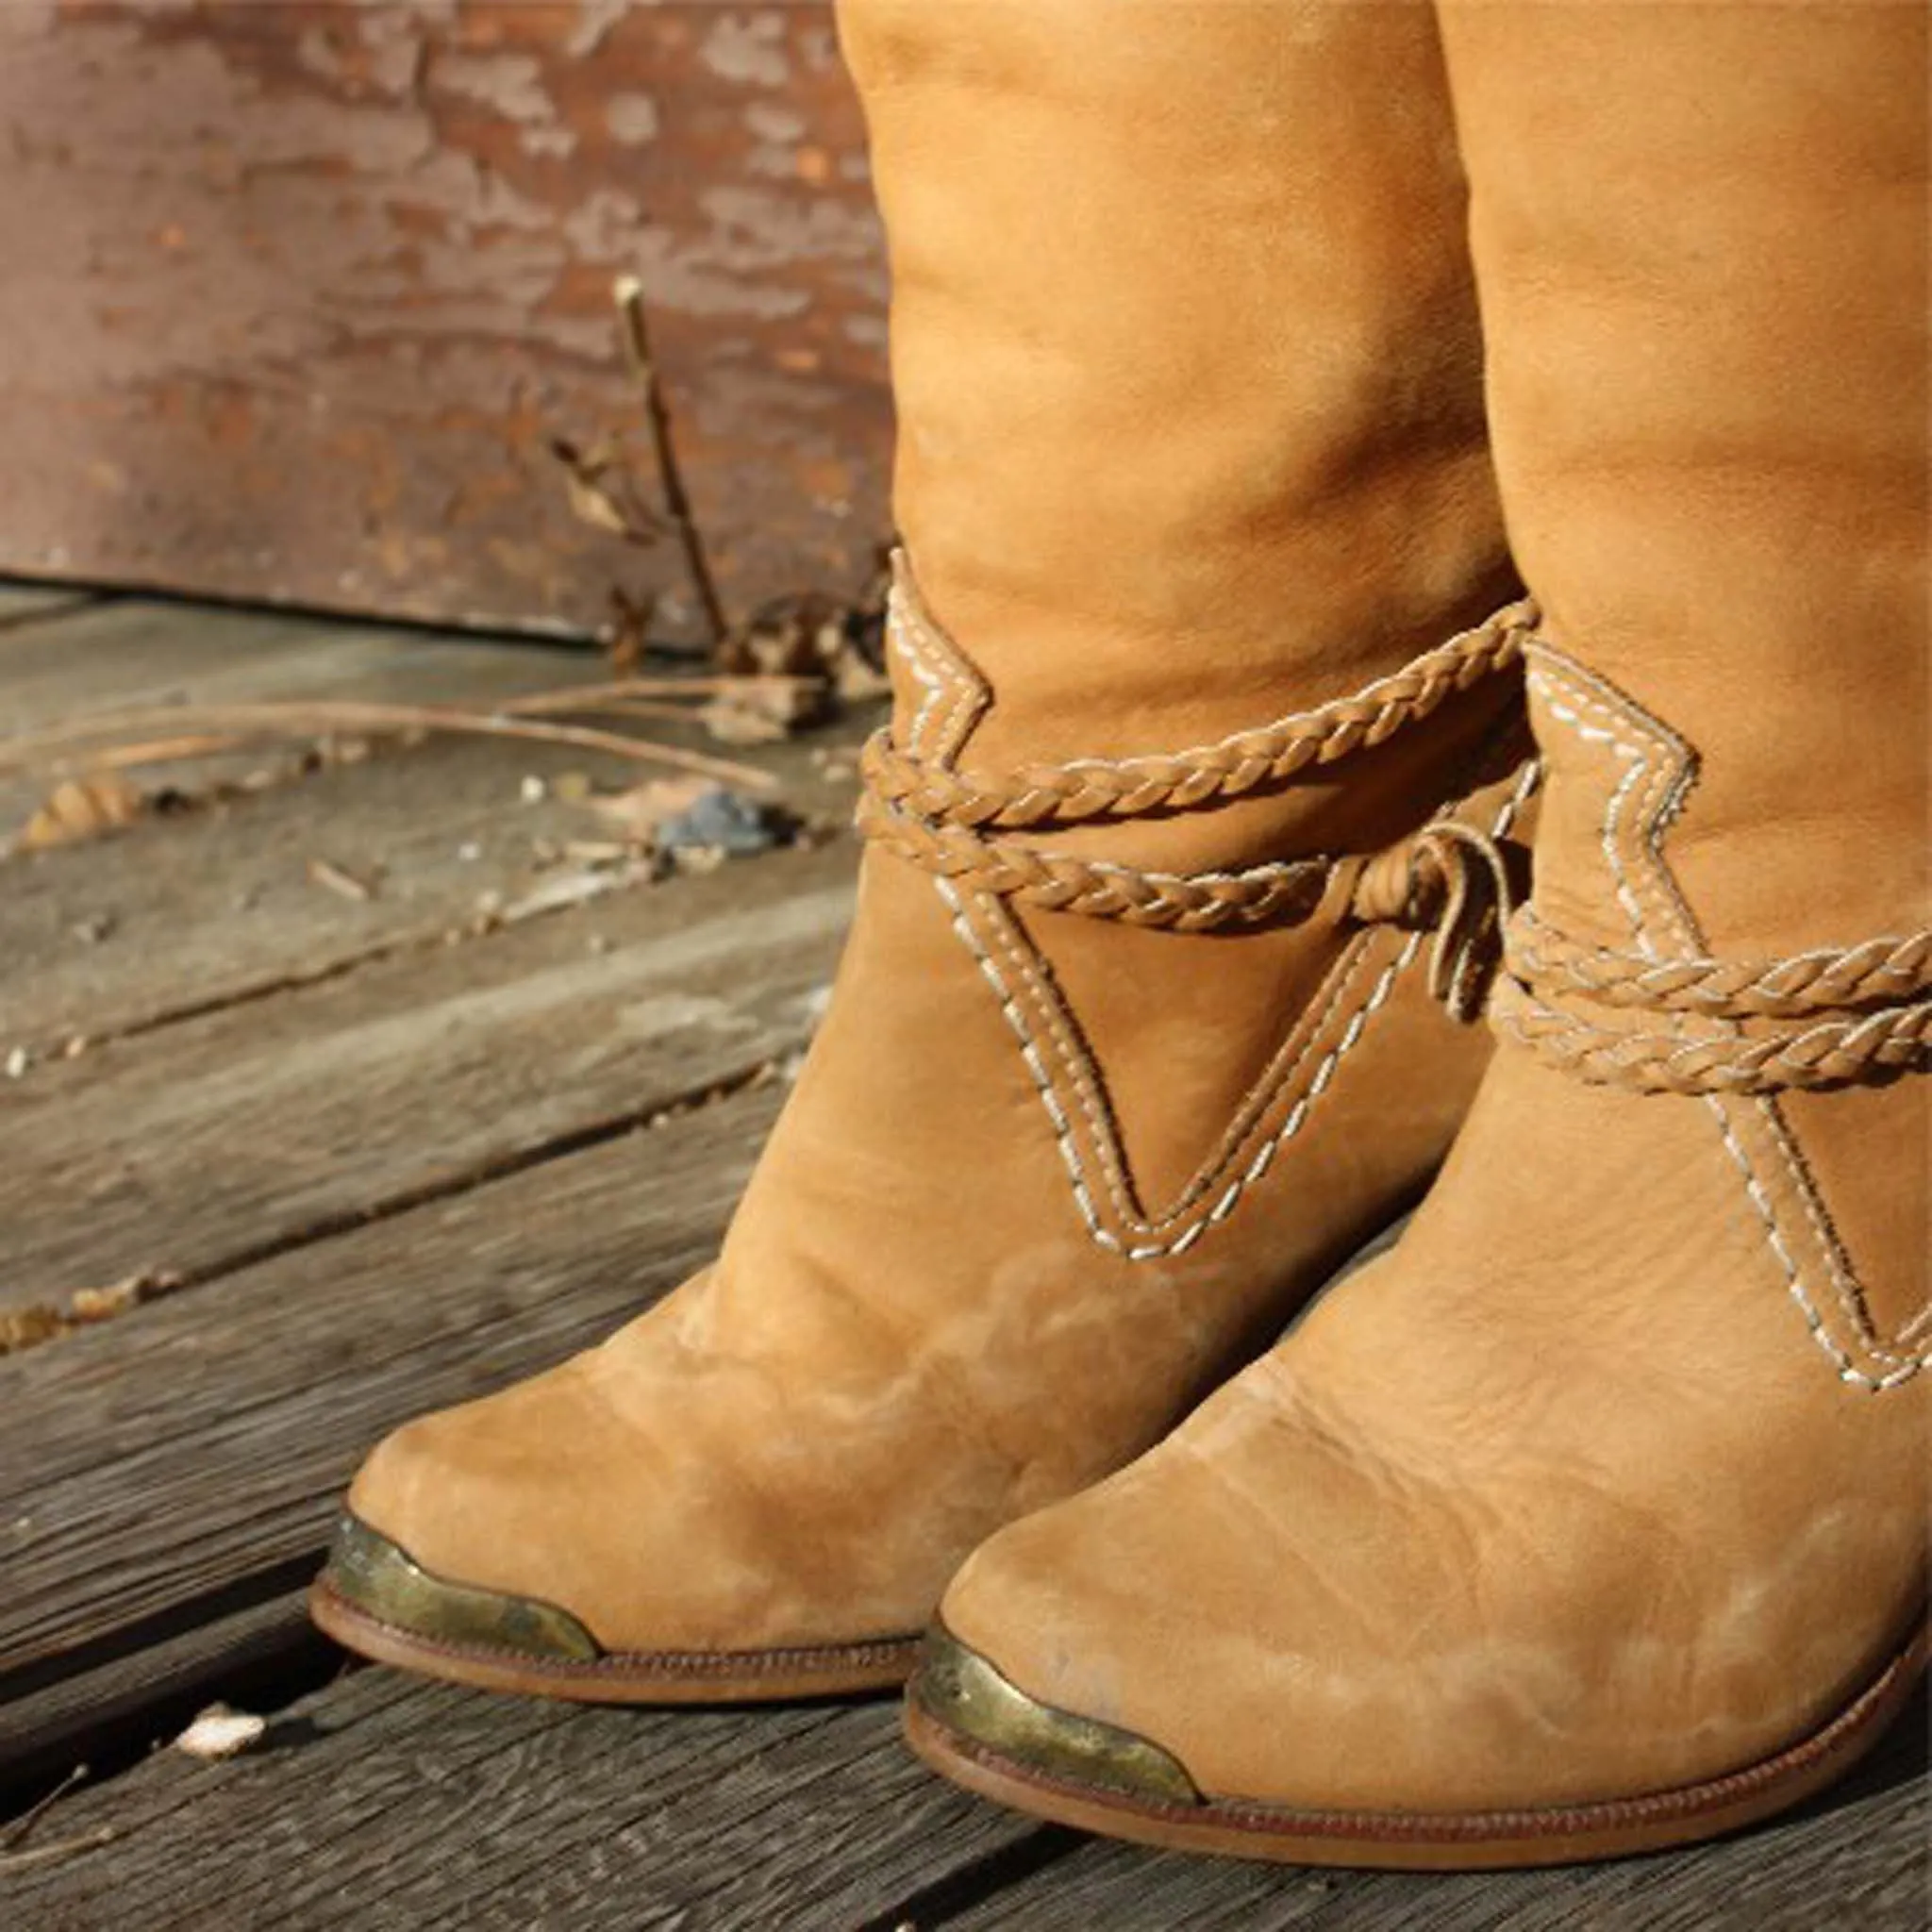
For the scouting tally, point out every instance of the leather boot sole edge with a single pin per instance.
(670, 1677)
(1417, 1842)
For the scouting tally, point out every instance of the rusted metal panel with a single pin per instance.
(293, 294)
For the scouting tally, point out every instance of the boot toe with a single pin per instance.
(474, 1528)
(376, 1577)
(445, 1537)
(979, 1709)
(1017, 1668)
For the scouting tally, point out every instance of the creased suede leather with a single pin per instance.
(1612, 1475)
(1149, 506)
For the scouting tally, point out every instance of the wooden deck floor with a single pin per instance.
(368, 1154)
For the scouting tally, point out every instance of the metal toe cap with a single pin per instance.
(956, 1686)
(383, 1581)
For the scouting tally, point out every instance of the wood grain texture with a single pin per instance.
(182, 912)
(162, 1461)
(122, 654)
(185, 913)
(187, 1150)
(1861, 1857)
(28, 603)
(115, 1712)
(131, 654)
(385, 1804)
(296, 295)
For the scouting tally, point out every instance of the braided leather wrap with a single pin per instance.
(1198, 902)
(1824, 1018)
(945, 821)
(1815, 982)
(1088, 789)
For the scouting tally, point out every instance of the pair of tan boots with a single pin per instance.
(1592, 1515)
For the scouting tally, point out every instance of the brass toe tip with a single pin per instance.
(382, 1580)
(961, 1690)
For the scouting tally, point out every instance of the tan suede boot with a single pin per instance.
(1593, 1517)
(1124, 1055)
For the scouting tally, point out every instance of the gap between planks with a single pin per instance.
(190, 1151)
(775, 1818)
(157, 1463)
(386, 1801)
(21, 603)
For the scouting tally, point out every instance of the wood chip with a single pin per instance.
(762, 711)
(642, 810)
(336, 879)
(562, 889)
(82, 808)
(104, 1303)
(220, 1732)
(28, 1327)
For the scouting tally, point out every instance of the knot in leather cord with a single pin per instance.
(1457, 880)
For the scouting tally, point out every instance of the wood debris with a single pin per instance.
(28, 1327)
(763, 709)
(338, 880)
(83, 809)
(677, 816)
(60, 1848)
(220, 1733)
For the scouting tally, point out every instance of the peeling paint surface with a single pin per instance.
(295, 295)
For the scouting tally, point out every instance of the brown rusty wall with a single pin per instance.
(291, 295)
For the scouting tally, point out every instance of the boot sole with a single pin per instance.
(1433, 1841)
(750, 1676)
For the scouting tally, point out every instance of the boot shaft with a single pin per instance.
(1701, 238)
(1701, 234)
(1185, 354)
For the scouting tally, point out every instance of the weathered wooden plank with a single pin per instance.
(117, 1712)
(164, 1458)
(181, 913)
(133, 654)
(121, 653)
(1860, 1857)
(35, 602)
(295, 293)
(129, 653)
(382, 1803)
(188, 1150)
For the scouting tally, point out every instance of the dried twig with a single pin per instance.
(63, 1848)
(629, 293)
(22, 1828)
(58, 744)
(593, 697)
(165, 751)
(338, 880)
(13, 1858)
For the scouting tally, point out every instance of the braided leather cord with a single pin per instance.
(1247, 762)
(1823, 1018)
(943, 820)
(1180, 901)
(1816, 982)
